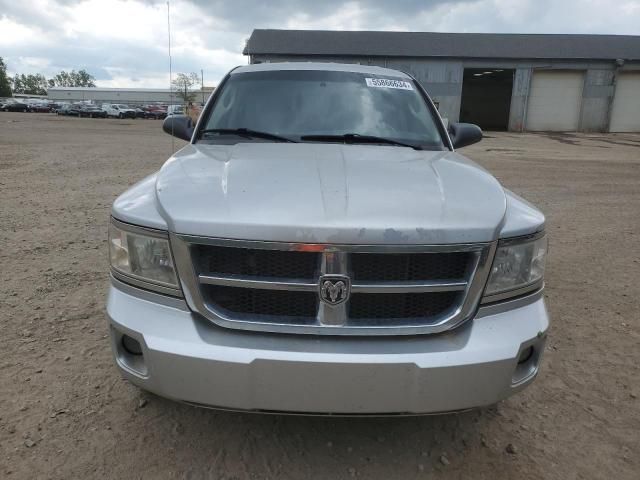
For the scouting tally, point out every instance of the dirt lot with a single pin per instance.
(66, 413)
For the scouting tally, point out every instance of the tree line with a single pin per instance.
(37, 84)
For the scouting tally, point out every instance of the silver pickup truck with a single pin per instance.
(320, 247)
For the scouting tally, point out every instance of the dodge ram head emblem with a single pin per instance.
(334, 289)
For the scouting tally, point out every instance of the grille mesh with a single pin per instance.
(281, 303)
(401, 305)
(255, 262)
(381, 267)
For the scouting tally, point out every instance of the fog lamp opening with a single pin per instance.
(131, 345)
(525, 355)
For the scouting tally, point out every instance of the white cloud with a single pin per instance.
(14, 33)
(120, 42)
(115, 19)
(351, 16)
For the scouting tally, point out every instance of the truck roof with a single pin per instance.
(334, 67)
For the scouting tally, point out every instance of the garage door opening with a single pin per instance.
(486, 97)
(625, 112)
(555, 99)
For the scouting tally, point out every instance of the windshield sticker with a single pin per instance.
(388, 83)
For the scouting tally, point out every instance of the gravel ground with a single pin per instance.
(66, 413)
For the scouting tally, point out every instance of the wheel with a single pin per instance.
(120, 115)
(91, 115)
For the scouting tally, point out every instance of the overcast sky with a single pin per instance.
(124, 43)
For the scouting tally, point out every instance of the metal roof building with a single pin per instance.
(500, 81)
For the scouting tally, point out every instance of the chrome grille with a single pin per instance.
(274, 286)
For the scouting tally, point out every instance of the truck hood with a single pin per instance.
(329, 193)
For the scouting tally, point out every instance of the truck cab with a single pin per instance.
(119, 110)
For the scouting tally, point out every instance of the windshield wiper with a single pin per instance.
(247, 133)
(357, 138)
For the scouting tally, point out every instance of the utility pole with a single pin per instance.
(202, 84)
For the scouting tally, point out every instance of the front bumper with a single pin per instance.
(187, 358)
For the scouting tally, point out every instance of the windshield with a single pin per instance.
(297, 104)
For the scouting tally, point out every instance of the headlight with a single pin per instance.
(517, 264)
(142, 257)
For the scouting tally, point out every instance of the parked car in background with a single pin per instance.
(14, 106)
(91, 111)
(156, 112)
(175, 110)
(69, 109)
(139, 112)
(40, 107)
(119, 110)
(54, 106)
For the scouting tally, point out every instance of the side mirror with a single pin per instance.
(180, 126)
(463, 134)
